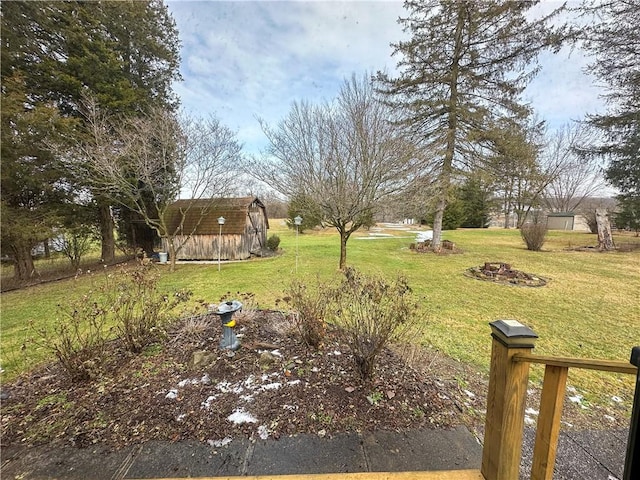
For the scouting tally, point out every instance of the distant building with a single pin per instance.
(561, 221)
(243, 234)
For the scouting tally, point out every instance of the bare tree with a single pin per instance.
(521, 175)
(579, 176)
(346, 155)
(146, 163)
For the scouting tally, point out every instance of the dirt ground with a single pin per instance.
(187, 388)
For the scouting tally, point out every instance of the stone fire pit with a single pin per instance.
(500, 272)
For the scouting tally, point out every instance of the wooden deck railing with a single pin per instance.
(508, 379)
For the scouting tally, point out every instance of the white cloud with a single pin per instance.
(242, 60)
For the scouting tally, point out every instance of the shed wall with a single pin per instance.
(560, 223)
(205, 247)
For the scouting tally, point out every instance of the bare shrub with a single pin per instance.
(129, 300)
(140, 310)
(310, 307)
(78, 338)
(192, 330)
(372, 313)
(534, 235)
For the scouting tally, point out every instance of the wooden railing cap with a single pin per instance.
(513, 334)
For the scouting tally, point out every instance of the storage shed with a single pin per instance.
(244, 231)
(560, 221)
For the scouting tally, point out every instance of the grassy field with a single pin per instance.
(589, 308)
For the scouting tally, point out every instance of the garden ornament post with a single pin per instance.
(298, 222)
(221, 223)
(225, 310)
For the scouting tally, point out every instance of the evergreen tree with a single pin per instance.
(463, 68)
(629, 214)
(303, 205)
(125, 54)
(33, 190)
(476, 196)
(614, 39)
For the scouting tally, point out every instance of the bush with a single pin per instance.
(130, 300)
(78, 338)
(140, 310)
(372, 313)
(309, 308)
(534, 235)
(273, 242)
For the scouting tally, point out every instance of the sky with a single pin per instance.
(249, 60)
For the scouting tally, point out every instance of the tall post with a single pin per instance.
(221, 221)
(632, 462)
(298, 222)
(506, 400)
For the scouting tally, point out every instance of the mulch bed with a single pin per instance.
(274, 385)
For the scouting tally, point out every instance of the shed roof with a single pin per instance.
(561, 214)
(206, 212)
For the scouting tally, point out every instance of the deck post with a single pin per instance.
(632, 462)
(506, 400)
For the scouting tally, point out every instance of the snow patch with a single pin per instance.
(172, 395)
(576, 399)
(263, 432)
(241, 416)
(531, 411)
(220, 443)
(207, 403)
(271, 386)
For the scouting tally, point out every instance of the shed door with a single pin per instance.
(257, 230)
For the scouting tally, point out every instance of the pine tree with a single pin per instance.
(125, 54)
(464, 68)
(614, 39)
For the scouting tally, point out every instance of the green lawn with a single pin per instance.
(589, 308)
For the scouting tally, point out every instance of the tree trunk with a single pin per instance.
(23, 268)
(106, 233)
(344, 236)
(47, 250)
(173, 251)
(436, 240)
(452, 131)
(605, 240)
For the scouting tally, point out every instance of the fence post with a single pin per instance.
(506, 400)
(632, 462)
